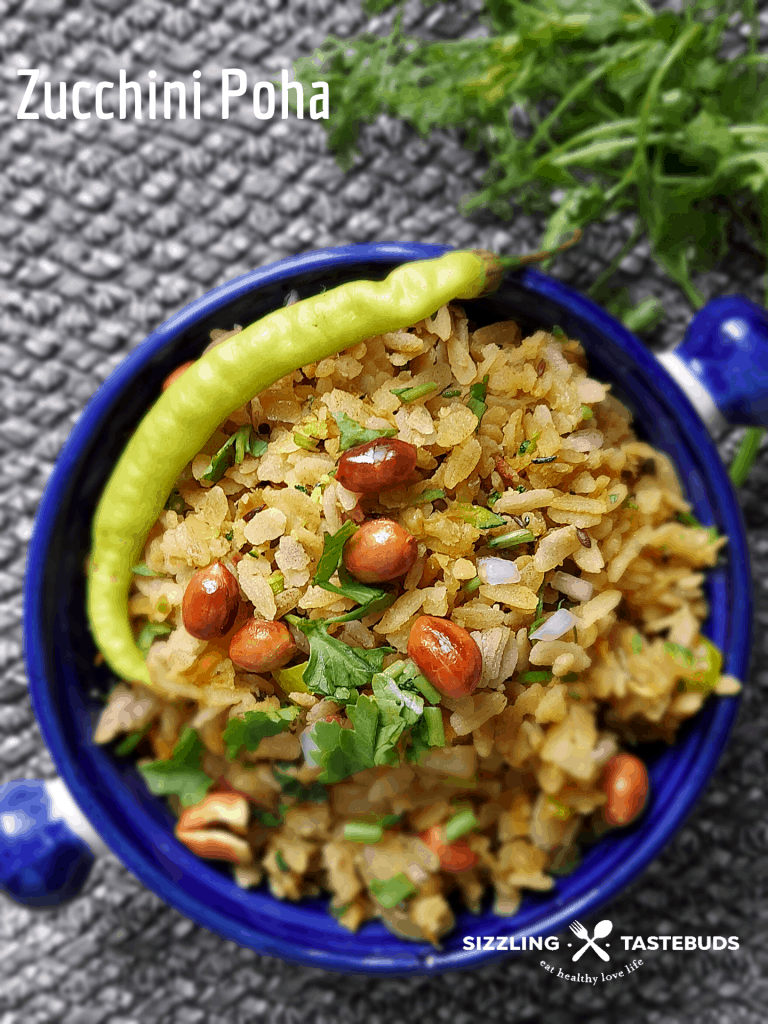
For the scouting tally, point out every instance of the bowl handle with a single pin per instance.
(722, 363)
(47, 848)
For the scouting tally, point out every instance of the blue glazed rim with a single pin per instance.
(136, 829)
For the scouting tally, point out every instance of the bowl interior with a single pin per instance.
(66, 685)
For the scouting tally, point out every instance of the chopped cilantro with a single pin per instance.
(476, 402)
(637, 643)
(472, 585)
(369, 598)
(678, 651)
(333, 664)
(452, 393)
(304, 441)
(570, 677)
(353, 434)
(688, 519)
(494, 496)
(175, 502)
(521, 488)
(149, 631)
(333, 550)
(315, 792)
(613, 498)
(281, 862)
(558, 809)
(181, 774)
(529, 444)
(586, 412)
(557, 332)
(255, 726)
(269, 819)
(132, 740)
(243, 442)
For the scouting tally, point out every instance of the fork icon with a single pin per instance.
(602, 928)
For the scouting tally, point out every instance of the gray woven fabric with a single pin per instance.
(107, 227)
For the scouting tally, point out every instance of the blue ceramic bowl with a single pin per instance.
(139, 828)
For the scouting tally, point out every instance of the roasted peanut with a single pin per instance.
(380, 550)
(211, 601)
(229, 809)
(175, 374)
(625, 781)
(376, 466)
(446, 654)
(454, 857)
(262, 646)
(216, 844)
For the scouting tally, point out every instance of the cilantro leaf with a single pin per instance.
(364, 715)
(175, 502)
(255, 726)
(339, 754)
(353, 434)
(149, 631)
(164, 778)
(333, 550)
(129, 743)
(334, 665)
(291, 786)
(370, 599)
(181, 774)
(476, 401)
(243, 442)
(398, 709)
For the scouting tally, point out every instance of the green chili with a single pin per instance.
(186, 415)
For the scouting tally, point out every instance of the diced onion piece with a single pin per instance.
(497, 570)
(555, 626)
(584, 440)
(573, 587)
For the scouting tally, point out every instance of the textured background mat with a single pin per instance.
(106, 228)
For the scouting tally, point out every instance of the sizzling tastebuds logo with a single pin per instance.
(595, 942)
